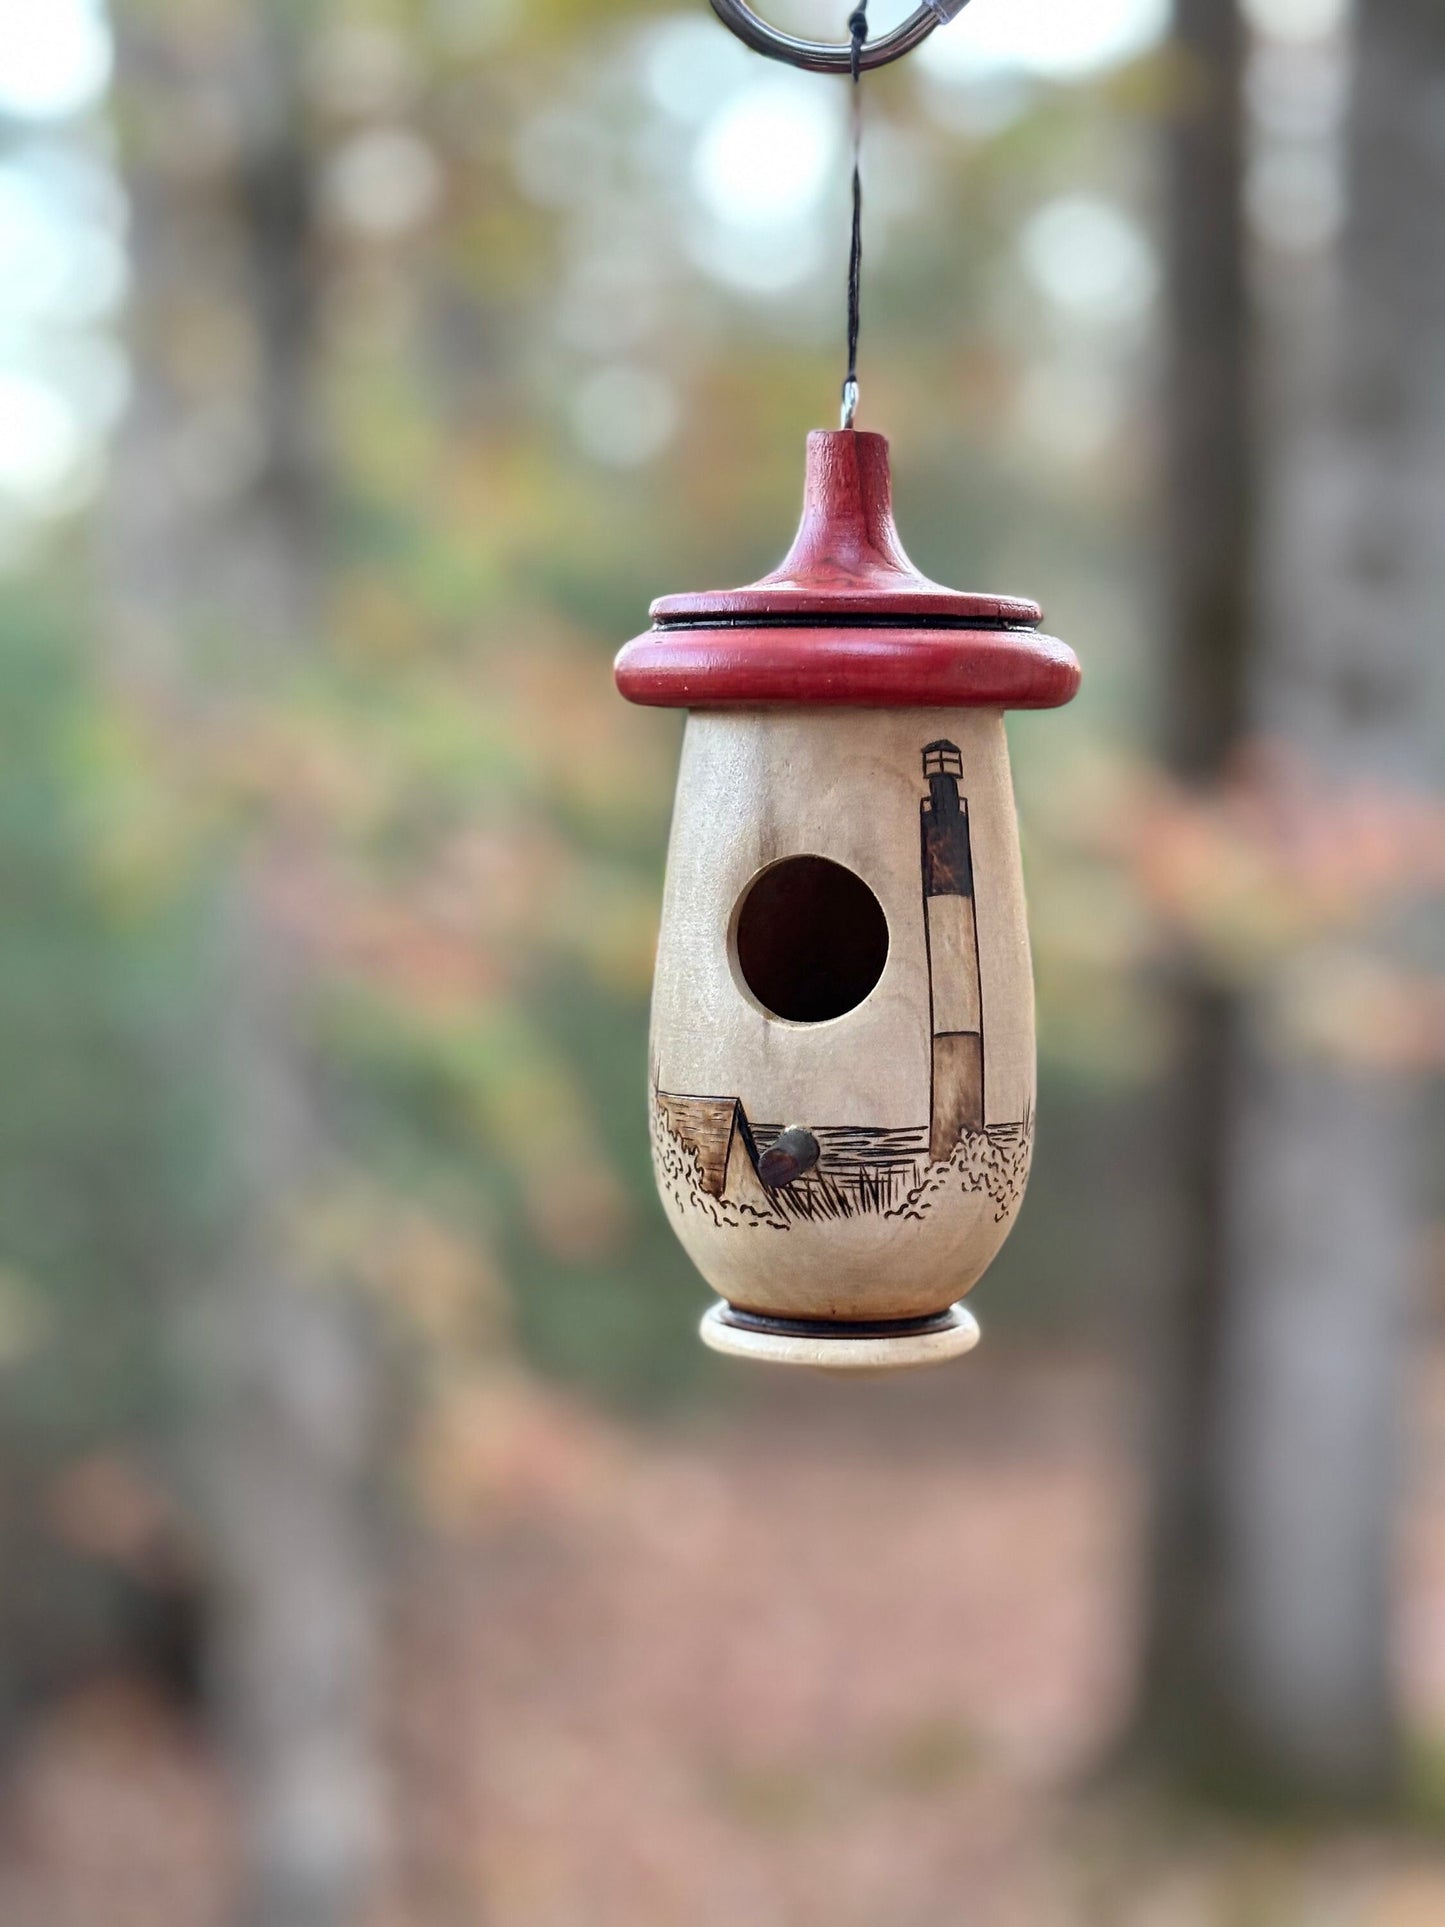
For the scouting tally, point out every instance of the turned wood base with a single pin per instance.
(837, 1346)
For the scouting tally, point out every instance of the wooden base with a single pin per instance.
(900, 1345)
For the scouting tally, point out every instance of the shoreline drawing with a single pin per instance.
(859, 1173)
(708, 1151)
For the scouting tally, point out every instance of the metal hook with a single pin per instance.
(833, 57)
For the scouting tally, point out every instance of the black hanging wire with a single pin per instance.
(857, 34)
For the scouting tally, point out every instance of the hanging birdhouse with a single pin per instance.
(842, 1049)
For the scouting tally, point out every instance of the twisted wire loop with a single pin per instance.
(829, 57)
(857, 36)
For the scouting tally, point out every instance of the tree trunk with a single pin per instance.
(1208, 548)
(1323, 1226)
(215, 557)
(1272, 1605)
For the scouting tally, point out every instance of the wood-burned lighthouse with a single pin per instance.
(951, 927)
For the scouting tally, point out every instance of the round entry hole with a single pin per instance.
(811, 939)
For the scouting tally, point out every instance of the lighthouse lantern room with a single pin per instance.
(841, 1081)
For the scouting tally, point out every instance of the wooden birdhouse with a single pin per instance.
(842, 1050)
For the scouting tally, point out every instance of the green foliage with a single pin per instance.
(104, 1171)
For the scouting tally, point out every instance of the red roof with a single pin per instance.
(846, 619)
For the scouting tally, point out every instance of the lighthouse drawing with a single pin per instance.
(951, 930)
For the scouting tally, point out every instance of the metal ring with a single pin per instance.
(833, 57)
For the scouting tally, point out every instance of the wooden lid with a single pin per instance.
(846, 618)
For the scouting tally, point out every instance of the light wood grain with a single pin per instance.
(883, 1227)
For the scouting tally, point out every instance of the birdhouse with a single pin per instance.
(842, 1046)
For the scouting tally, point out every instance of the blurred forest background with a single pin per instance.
(378, 1544)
